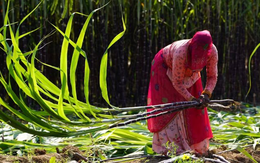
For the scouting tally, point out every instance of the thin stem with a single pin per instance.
(175, 108)
(162, 111)
(125, 109)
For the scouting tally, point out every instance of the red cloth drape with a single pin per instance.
(199, 50)
(162, 91)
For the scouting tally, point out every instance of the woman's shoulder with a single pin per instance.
(180, 47)
(181, 43)
(214, 49)
(178, 44)
(177, 48)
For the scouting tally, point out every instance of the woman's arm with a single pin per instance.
(178, 73)
(212, 71)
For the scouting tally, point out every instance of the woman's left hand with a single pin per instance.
(204, 100)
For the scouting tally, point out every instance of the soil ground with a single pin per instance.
(233, 156)
(70, 153)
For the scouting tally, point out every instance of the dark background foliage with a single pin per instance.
(151, 25)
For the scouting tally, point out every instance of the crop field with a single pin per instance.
(74, 78)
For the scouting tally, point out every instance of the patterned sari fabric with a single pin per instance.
(175, 76)
(188, 129)
(175, 135)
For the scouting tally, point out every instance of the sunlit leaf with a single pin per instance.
(245, 153)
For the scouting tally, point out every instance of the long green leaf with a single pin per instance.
(246, 153)
(63, 68)
(31, 70)
(249, 68)
(35, 90)
(103, 66)
(24, 18)
(74, 62)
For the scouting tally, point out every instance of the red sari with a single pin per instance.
(161, 91)
(175, 76)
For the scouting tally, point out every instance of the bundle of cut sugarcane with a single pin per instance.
(166, 109)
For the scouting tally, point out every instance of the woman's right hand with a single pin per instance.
(203, 101)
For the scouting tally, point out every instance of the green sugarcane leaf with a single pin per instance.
(236, 124)
(16, 124)
(52, 160)
(73, 67)
(63, 67)
(245, 153)
(6, 19)
(26, 114)
(65, 9)
(60, 103)
(16, 112)
(16, 50)
(3, 42)
(35, 91)
(27, 33)
(148, 149)
(75, 58)
(86, 64)
(31, 68)
(74, 45)
(54, 6)
(22, 84)
(103, 66)
(255, 135)
(249, 69)
(24, 18)
(129, 135)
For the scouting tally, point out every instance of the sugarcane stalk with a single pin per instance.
(176, 106)
(165, 110)
(136, 108)
(208, 159)
(221, 158)
(215, 104)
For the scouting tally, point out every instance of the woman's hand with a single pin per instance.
(203, 101)
(204, 98)
(198, 101)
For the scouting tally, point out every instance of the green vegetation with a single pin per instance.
(235, 130)
(150, 25)
(61, 111)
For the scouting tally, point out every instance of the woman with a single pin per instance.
(175, 76)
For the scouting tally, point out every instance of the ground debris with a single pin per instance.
(71, 153)
(38, 152)
(68, 153)
(46, 158)
(220, 155)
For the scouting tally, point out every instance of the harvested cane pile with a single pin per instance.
(226, 104)
(168, 108)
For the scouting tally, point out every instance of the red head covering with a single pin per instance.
(199, 50)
